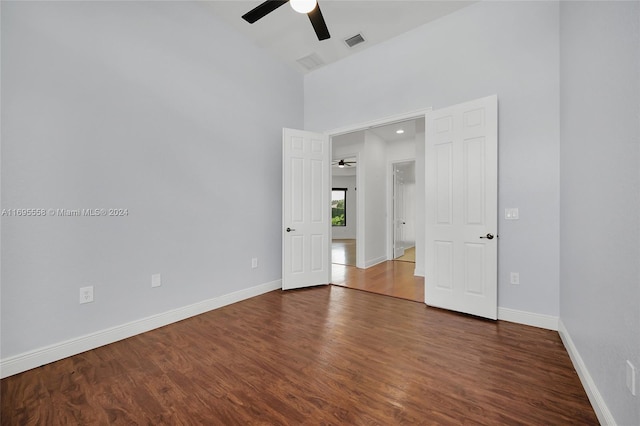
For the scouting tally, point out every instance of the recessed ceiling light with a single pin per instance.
(399, 131)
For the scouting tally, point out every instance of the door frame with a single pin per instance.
(391, 204)
(391, 119)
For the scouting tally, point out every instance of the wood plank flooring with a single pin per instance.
(408, 256)
(390, 278)
(324, 355)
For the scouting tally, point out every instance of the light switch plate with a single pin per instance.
(156, 280)
(511, 214)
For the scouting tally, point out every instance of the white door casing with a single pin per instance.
(305, 209)
(462, 208)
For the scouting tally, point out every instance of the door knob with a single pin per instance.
(488, 236)
(291, 229)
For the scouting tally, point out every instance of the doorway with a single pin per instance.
(459, 227)
(344, 210)
(403, 217)
(380, 194)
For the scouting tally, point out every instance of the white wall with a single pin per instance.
(374, 172)
(507, 48)
(401, 150)
(600, 194)
(348, 231)
(149, 106)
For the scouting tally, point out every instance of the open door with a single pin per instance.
(462, 208)
(398, 214)
(305, 209)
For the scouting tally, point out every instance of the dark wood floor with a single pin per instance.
(325, 355)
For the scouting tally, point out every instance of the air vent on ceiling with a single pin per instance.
(355, 40)
(311, 62)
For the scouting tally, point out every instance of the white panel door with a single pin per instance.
(306, 209)
(398, 215)
(462, 208)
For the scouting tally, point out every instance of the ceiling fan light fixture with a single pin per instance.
(303, 6)
(341, 164)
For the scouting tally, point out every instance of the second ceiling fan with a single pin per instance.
(310, 7)
(343, 163)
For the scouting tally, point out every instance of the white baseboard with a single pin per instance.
(32, 359)
(528, 318)
(597, 402)
(374, 262)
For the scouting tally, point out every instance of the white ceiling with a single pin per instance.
(289, 35)
(389, 132)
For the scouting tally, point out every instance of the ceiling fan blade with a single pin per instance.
(317, 20)
(262, 10)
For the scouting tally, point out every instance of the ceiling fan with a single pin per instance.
(310, 7)
(343, 163)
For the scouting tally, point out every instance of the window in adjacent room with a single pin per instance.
(339, 206)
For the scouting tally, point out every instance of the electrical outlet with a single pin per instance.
(86, 294)
(156, 280)
(631, 378)
(515, 278)
(254, 262)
